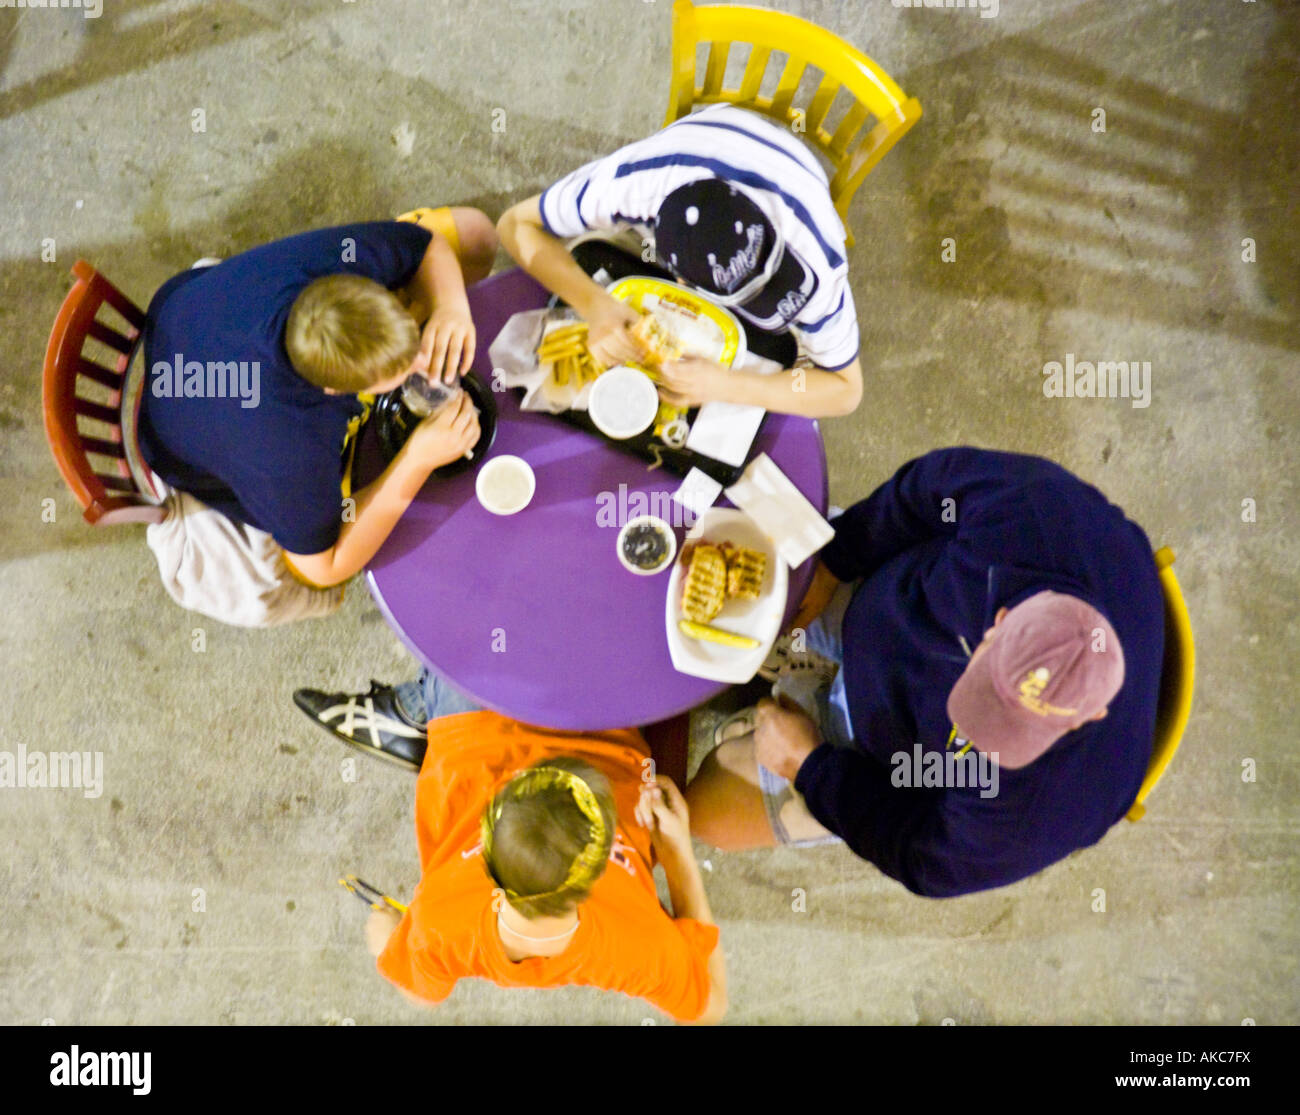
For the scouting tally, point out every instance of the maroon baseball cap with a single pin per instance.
(1054, 663)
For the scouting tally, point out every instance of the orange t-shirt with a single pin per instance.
(625, 940)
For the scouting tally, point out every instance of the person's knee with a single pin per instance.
(726, 770)
(707, 813)
(720, 830)
(724, 800)
(478, 240)
(736, 757)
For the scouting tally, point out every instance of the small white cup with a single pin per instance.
(623, 402)
(505, 485)
(663, 530)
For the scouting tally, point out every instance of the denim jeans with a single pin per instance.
(829, 706)
(429, 697)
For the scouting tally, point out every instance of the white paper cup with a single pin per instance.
(663, 530)
(623, 402)
(505, 485)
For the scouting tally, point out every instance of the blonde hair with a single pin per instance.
(347, 333)
(547, 836)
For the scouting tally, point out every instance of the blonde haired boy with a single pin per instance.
(314, 321)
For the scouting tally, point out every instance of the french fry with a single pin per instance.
(588, 369)
(564, 336)
(565, 350)
(560, 350)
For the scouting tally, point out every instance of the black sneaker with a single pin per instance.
(371, 722)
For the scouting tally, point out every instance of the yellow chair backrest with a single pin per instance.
(876, 96)
(1176, 680)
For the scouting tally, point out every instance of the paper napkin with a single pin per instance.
(781, 511)
(726, 431)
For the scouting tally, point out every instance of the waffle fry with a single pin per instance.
(704, 588)
(745, 571)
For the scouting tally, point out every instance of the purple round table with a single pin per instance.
(532, 614)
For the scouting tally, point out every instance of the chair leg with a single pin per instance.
(670, 743)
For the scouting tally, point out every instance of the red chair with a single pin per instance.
(117, 492)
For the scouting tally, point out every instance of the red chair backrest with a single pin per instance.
(110, 494)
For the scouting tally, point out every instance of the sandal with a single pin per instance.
(744, 718)
(783, 660)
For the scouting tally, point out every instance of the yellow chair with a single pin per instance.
(852, 154)
(1176, 679)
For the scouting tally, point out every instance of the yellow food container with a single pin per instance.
(726, 346)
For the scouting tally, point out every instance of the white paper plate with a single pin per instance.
(759, 619)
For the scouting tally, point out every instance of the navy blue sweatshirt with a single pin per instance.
(936, 573)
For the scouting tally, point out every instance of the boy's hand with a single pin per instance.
(662, 810)
(691, 381)
(444, 437)
(608, 339)
(447, 343)
(379, 927)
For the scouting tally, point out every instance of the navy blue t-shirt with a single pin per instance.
(262, 449)
(951, 538)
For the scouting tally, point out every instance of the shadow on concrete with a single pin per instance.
(1143, 221)
(304, 189)
(125, 38)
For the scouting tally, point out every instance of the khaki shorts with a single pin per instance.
(437, 220)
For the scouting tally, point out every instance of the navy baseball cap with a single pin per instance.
(717, 238)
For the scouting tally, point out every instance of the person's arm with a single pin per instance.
(895, 828)
(810, 392)
(523, 234)
(380, 927)
(438, 440)
(825, 383)
(686, 892)
(939, 843)
(932, 842)
(438, 300)
(948, 493)
(671, 836)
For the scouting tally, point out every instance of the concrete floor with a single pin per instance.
(1122, 245)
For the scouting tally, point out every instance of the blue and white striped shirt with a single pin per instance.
(626, 189)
